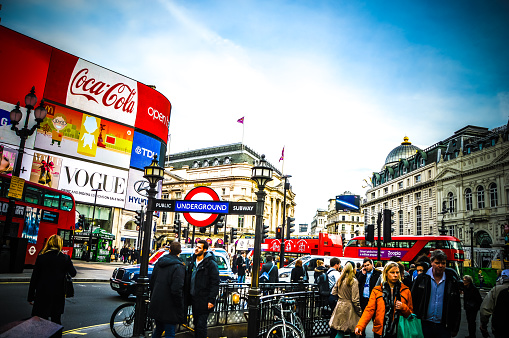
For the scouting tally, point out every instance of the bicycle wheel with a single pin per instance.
(122, 320)
(286, 330)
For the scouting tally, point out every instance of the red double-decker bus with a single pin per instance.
(40, 213)
(408, 248)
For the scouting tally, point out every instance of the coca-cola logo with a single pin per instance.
(156, 115)
(119, 95)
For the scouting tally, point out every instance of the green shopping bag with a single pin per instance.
(410, 327)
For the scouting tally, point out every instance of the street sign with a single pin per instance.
(242, 208)
(197, 218)
(202, 206)
(16, 187)
(163, 205)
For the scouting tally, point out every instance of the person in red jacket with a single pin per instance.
(386, 303)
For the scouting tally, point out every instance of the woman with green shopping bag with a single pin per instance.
(386, 304)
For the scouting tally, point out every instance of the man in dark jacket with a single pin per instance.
(367, 278)
(167, 299)
(202, 286)
(436, 298)
(273, 274)
(472, 301)
(241, 268)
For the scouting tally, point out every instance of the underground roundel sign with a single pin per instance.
(201, 194)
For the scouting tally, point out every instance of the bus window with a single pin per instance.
(353, 242)
(455, 245)
(33, 195)
(66, 203)
(66, 236)
(51, 200)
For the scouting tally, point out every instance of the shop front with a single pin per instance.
(101, 245)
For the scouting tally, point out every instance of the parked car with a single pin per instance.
(123, 279)
(309, 263)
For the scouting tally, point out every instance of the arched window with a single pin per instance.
(450, 198)
(216, 161)
(206, 163)
(493, 195)
(468, 198)
(226, 160)
(480, 197)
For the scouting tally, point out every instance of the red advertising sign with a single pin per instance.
(153, 112)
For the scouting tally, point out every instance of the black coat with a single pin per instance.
(472, 298)
(206, 285)
(241, 266)
(46, 288)
(372, 281)
(451, 311)
(318, 271)
(167, 285)
(273, 275)
(299, 274)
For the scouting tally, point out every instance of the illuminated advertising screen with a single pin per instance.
(144, 148)
(348, 202)
(76, 134)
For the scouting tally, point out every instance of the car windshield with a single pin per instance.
(221, 262)
(303, 259)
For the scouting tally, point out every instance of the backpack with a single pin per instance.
(264, 278)
(323, 284)
(501, 312)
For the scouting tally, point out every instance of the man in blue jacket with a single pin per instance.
(202, 286)
(167, 299)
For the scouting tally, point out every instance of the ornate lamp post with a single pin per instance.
(472, 243)
(24, 133)
(261, 174)
(153, 173)
(445, 210)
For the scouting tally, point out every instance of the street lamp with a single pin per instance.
(153, 173)
(445, 210)
(91, 227)
(24, 133)
(261, 174)
(472, 243)
(282, 251)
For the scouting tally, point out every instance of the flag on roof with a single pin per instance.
(282, 155)
(241, 120)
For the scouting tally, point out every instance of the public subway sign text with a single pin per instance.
(207, 207)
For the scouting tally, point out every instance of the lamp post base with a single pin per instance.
(253, 302)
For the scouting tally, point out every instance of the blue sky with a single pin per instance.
(338, 83)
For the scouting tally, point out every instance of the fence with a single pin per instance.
(232, 306)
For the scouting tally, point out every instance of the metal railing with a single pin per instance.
(232, 307)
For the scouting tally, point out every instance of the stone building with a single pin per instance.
(348, 224)
(318, 224)
(227, 170)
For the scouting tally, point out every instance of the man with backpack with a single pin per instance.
(270, 268)
(326, 282)
(496, 303)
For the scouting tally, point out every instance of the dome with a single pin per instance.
(405, 150)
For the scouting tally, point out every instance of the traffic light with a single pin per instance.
(138, 219)
(291, 225)
(265, 232)
(203, 230)
(185, 234)
(369, 232)
(233, 234)
(81, 222)
(177, 227)
(226, 238)
(388, 221)
(219, 224)
(278, 233)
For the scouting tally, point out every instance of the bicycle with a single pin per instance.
(122, 321)
(288, 324)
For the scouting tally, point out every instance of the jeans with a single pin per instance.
(168, 329)
(241, 279)
(433, 330)
(471, 317)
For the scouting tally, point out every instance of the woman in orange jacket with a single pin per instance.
(387, 302)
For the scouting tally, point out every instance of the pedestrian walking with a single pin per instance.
(471, 303)
(347, 312)
(320, 269)
(436, 295)
(202, 286)
(167, 298)
(234, 263)
(241, 268)
(495, 305)
(47, 285)
(333, 275)
(386, 303)
(367, 277)
(481, 279)
(299, 274)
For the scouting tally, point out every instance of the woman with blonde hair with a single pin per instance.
(386, 303)
(348, 308)
(46, 291)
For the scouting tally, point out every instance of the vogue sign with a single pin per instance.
(105, 93)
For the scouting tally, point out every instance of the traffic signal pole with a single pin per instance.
(282, 249)
(379, 240)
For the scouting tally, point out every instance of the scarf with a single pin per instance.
(391, 317)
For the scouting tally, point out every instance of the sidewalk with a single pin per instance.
(86, 272)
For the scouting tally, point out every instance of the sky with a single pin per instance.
(337, 83)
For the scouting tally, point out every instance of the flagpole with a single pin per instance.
(283, 166)
(242, 135)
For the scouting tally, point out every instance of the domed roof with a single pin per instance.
(405, 150)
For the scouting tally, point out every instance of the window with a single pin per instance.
(353, 219)
(343, 218)
(66, 203)
(430, 193)
(373, 195)
(400, 218)
(226, 160)
(33, 195)
(357, 218)
(386, 190)
(205, 163)
(430, 215)
(224, 191)
(480, 197)
(417, 178)
(343, 227)
(353, 228)
(429, 174)
(422, 162)
(216, 161)
(468, 198)
(417, 196)
(196, 164)
(241, 221)
(400, 185)
(400, 200)
(450, 199)
(178, 195)
(493, 195)
(164, 219)
(418, 220)
(51, 200)
(66, 236)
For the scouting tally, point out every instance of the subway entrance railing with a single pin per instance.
(232, 307)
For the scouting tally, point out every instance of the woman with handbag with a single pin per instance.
(347, 312)
(386, 303)
(47, 286)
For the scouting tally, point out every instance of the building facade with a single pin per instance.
(227, 170)
(348, 224)
(318, 224)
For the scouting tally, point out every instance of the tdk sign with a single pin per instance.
(144, 148)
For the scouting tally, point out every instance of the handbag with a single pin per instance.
(264, 278)
(68, 286)
(410, 327)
